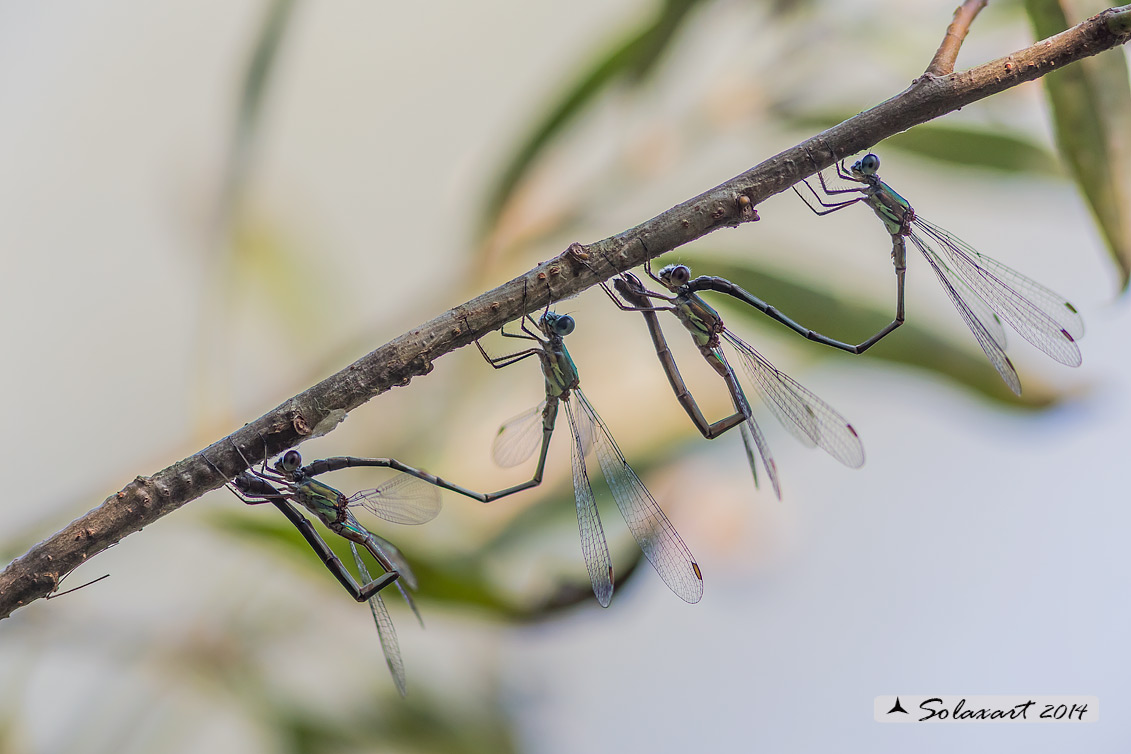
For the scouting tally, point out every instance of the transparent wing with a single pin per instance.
(404, 499)
(593, 545)
(385, 629)
(752, 434)
(411, 602)
(396, 558)
(1039, 315)
(991, 345)
(752, 438)
(390, 558)
(747, 443)
(518, 437)
(801, 424)
(809, 418)
(652, 530)
(974, 302)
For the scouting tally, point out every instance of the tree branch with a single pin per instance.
(943, 61)
(318, 409)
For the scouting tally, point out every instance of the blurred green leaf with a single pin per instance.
(267, 263)
(256, 79)
(458, 581)
(631, 59)
(1091, 107)
(956, 145)
(450, 580)
(418, 722)
(271, 530)
(826, 313)
(977, 148)
(426, 723)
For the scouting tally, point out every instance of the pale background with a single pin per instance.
(979, 550)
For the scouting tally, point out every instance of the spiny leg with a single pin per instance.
(498, 362)
(830, 207)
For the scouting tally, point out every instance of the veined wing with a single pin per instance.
(385, 630)
(652, 530)
(404, 499)
(752, 434)
(396, 557)
(593, 545)
(993, 346)
(973, 300)
(752, 438)
(809, 418)
(798, 419)
(518, 437)
(1041, 316)
(397, 562)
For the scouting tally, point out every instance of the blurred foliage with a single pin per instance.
(419, 725)
(629, 59)
(268, 265)
(1091, 110)
(252, 93)
(963, 145)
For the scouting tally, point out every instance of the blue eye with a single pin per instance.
(868, 165)
(563, 325)
(675, 275)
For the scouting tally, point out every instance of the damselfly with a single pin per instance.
(403, 499)
(807, 417)
(984, 291)
(518, 438)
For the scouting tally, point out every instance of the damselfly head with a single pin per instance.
(290, 461)
(557, 324)
(675, 275)
(867, 165)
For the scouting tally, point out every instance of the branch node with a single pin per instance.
(746, 211)
(942, 64)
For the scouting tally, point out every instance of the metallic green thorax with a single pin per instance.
(699, 318)
(895, 211)
(329, 505)
(559, 369)
(705, 326)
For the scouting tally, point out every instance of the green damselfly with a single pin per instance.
(807, 417)
(517, 439)
(984, 291)
(403, 499)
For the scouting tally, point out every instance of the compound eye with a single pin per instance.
(680, 274)
(291, 460)
(563, 325)
(869, 164)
